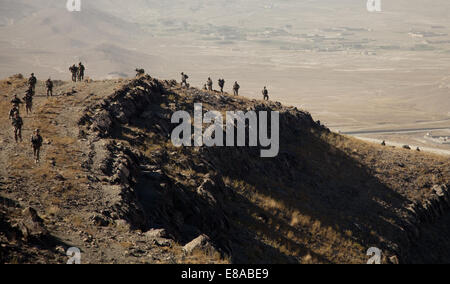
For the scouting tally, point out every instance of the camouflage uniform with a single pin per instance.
(184, 78)
(29, 92)
(17, 123)
(36, 144)
(49, 85)
(236, 88)
(29, 103)
(265, 94)
(16, 102)
(210, 84)
(32, 82)
(74, 70)
(139, 72)
(221, 84)
(13, 112)
(80, 71)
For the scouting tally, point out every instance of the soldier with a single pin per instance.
(265, 94)
(184, 78)
(29, 102)
(210, 84)
(30, 92)
(221, 84)
(205, 88)
(32, 82)
(139, 72)
(17, 123)
(71, 71)
(80, 70)
(74, 70)
(16, 101)
(13, 112)
(49, 85)
(236, 88)
(36, 144)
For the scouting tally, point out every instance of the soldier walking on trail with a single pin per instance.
(49, 85)
(210, 84)
(29, 102)
(29, 92)
(13, 112)
(17, 123)
(16, 101)
(74, 70)
(265, 94)
(80, 70)
(36, 144)
(236, 88)
(221, 84)
(184, 78)
(32, 82)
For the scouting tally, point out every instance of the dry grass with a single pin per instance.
(202, 257)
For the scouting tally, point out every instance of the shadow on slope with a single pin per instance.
(312, 203)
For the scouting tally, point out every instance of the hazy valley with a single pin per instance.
(352, 69)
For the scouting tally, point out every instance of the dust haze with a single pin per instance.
(381, 75)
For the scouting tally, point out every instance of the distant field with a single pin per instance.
(352, 69)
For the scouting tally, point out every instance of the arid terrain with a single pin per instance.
(352, 69)
(112, 184)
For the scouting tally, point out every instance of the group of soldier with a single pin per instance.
(221, 82)
(78, 75)
(17, 121)
(14, 114)
(77, 72)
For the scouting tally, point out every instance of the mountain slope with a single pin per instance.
(112, 184)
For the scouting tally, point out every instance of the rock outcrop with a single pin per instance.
(113, 162)
(147, 183)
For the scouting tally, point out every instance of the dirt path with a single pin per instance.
(66, 194)
(58, 187)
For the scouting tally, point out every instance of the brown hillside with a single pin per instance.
(111, 183)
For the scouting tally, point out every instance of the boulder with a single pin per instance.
(201, 243)
(157, 233)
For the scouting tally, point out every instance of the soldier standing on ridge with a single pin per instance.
(140, 72)
(32, 82)
(17, 123)
(74, 70)
(36, 144)
(221, 84)
(49, 85)
(236, 88)
(265, 94)
(205, 88)
(80, 70)
(184, 78)
(210, 84)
